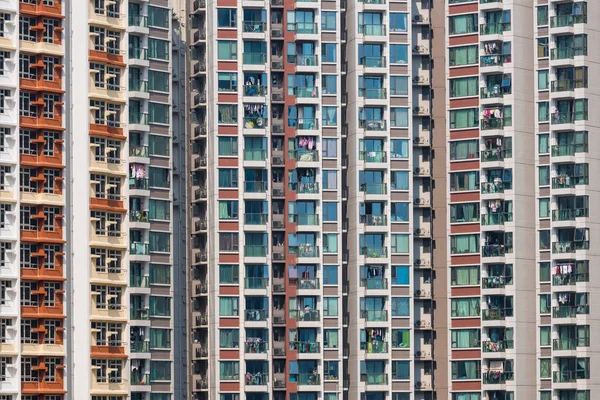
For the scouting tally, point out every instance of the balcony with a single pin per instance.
(373, 188)
(570, 279)
(499, 346)
(307, 188)
(256, 218)
(138, 151)
(304, 219)
(140, 346)
(566, 376)
(497, 377)
(138, 281)
(493, 187)
(374, 252)
(372, 125)
(569, 85)
(495, 250)
(138, 216)
(139, 183)
(255, 59)
(570, 343)
(493, 282)
(137, 118)
(494, 29)
(304, 155)
(138, 53)
(305, 315)
(494, 314)
(495, 155)
(310, 379)
(567, 182)
(374, 378)
(138, 21)
(495, 60)
(255, 27)
(305, 347)
(256, 283)
(567, 53)
(559, 118)
(256, 346)
(138, 249)
(376, 94)
(373, 156)
(569, 247)
(139, 379)
(372, 29)
(305, 60)
(310, 92)
(255, 251)
(255, 90)
(569, 149)
(374, 315)
(303, 28)
(257, 379)
(492, 124)
(304, 250)
(373, 62)
(375, 347)
(255, 122)
(496, 218)
(255, 154)
(374, 220)
(570, 214)
(561, 21)
(256, 186)
(308, 284)
(139, 314)
(374, 283)
(570, 311)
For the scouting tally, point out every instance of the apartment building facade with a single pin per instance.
(86, 204)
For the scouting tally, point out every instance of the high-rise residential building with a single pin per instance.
(298, 200)
(86, 200)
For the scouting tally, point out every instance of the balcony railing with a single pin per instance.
(305, 347)
(138, 249)
(373, 124)
(138, 216)
(307, 60)
(374, 315)
(569, 214)
(303, 27)
(489, 346)
(256, 283)
(255, 90)
(565, 53)
(567, 181)
(137, 53)
(561, 21)
(138, 151)
(139, 314)
(255, 250)
(138, 118)
(495, 250)
(374, 378)
(257, 379)
(569, 117)
(373, 62)
(373, 156)
(256, 315)
(304, 155)
(570, 279)
(310, 379)
(372, 29)
(493, 187)
(569, 149)
(494, 314)
(255, 58)
(570, 376)
(374, 347)
(494, 60)
(570, 343)
(494, 29)
(374, 252)
(138, 86)
(256, 186)
(138, 20)
(257, 346)
(568, 84)
(497, 377)
(373, 188)
(255, 26)
(489, 124)
(304, 250)
(140, 379)
(304, 219)
(495, 155)
(306, 91)
(570, 311)
(569, 247)
(140, 346)
(255, 154)
(138, 281)
(496, 218)
(493, 282)
(256, 218)
(374, 283)
(308, 283)
(378, 94)
(139, 183)
(374, 220)
(305, 315)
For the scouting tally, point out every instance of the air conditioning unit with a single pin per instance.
(421, 261)
(277, 96)
(278, 320)
(418, 18)
(421, 201)
(277, 224)
(277, 128)
(279, 352)
(419, 109)
(278, 256)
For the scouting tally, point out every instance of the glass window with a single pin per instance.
(160, 209)
(400, 275)
(160, 370)
(228, 178)
(463, 55)
(465, 338)
(544, 208)
(544, 239)
(399, 180)
(227, 50)
(160, 306)
(228, 114)
(398, 53)
(400, 338)
(158, 81)
(400, 307)
(542, 47)
(543, 111)
(400, 243)
(330, 274)
(399, 148)
(158, 48)
(543, 147)
(465, 276)
(226, 17)
(329, 179)
(159, 17)
(465, 307)
(399, 117)
(229, 338)
(160, 338)
(464, 149)
(543, 79)
(462, 87)
(227, 81)
(545, 333)
(400, 212)
(542, 15)
(160, 274)
(401, 370)
(329, 148)
(330, 306)
(461, 244)
(228, 209)
(544, 268)
(159, 145)
(545, 303)
(158, 113)
(330, 339)
(160, 241)
(159, 177)
(399, 85)
(466, 370)
(463, 24)
(228, 306)
(329, 211)
(228, 274)
(329, 116)
(544, 175)
(229, 370)
(329, 52)
(462, 181)
(465, 118)
(228, 145)
(398, 22)
(329, 84)
(330, 243)
(328, 20)
(545, 368)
